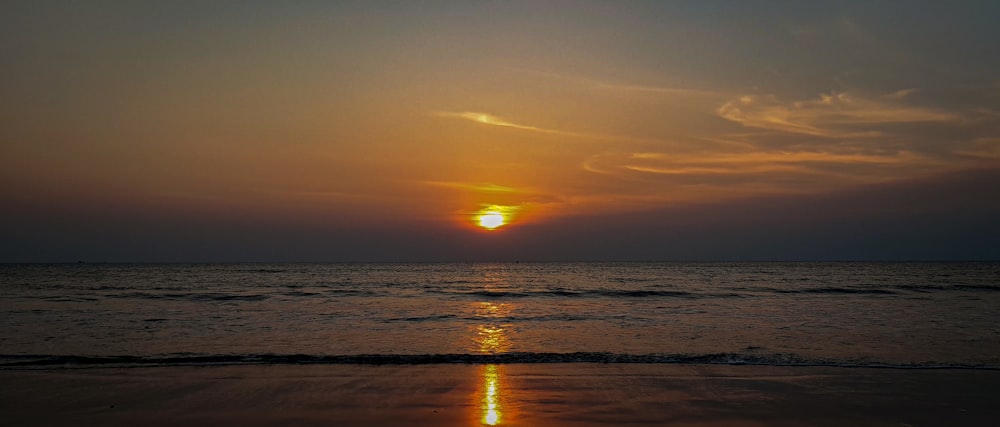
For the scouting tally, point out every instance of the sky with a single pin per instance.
(384, 131)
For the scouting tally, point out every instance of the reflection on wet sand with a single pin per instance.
(492, 338)
(491, 409)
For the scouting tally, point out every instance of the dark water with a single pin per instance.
(919, 315)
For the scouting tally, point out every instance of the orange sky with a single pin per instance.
(353, 113)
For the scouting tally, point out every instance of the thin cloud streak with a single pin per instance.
(755, 163)
(595, 84)
(491, 120)
(986, 148)
(697, 175)
(782, 157)
(834, 115)
(757, 169)
(481, 188)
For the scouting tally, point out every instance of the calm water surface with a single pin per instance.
(870, 314)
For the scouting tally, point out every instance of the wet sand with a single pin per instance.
(515, 395)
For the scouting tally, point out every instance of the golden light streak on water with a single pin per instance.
(492, 338)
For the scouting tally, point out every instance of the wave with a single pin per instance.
(8, 362)
(263, 270)
(191, 296)
(223, 296)
(833, 290)
(506, 319)
(299, 294)
(952, 287)
(423, 318)
(614, 293)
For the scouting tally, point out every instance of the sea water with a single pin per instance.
(917, 315)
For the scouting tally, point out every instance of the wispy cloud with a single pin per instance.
(511, 195)
(830, 141)
(654, 89)
(475, 187)
(757, 162)
(778, 157)
(986, 148)
(757, 172)
(489, 119)
(510, 200)
(900, 94)
(839, 115)
(597, 84)
(695, 170)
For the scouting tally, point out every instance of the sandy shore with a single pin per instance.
(515, 395)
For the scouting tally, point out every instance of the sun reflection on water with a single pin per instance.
(492, 337)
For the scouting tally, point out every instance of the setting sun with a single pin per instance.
(491, 220)
(492, 216)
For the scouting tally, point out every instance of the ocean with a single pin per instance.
(899, 315)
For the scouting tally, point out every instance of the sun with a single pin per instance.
(492, 217)
(490, 220)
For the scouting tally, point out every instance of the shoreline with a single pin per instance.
(551, 394)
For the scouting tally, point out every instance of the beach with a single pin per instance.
(562, 394)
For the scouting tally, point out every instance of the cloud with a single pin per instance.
(986, 148)
(489, 119)
(764, 162)
(656, 89)
(900, 94)
(499, 194)
(778, 157)
(834, 115)
(596, 84)
(475, 187)
(662, 177)
(704, 170)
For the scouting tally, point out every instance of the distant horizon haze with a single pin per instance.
(891, 222)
